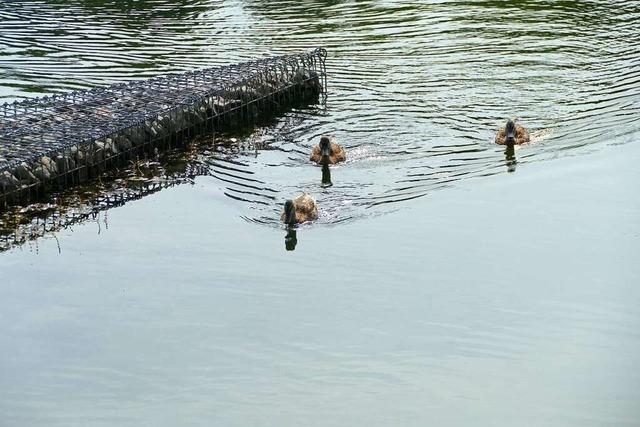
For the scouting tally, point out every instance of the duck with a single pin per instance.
(512, 134)
(300, 209)
(328, 152)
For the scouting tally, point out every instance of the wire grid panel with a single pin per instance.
(51, 125)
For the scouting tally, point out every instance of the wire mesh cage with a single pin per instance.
(54, 142)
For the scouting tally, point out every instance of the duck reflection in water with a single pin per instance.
(326, 176)
(510, 158)
(291, 239)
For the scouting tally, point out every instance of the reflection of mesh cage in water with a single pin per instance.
(58, 141)
(49, 219)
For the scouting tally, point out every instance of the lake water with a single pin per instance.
(443, 284)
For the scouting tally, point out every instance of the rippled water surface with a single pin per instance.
(416, 92)
(444, 283)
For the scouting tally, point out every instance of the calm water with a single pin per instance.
(436, 288)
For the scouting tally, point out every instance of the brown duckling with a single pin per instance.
(512, 134)
(328, 152)
(301, 209)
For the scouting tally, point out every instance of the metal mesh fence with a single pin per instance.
(61, 140)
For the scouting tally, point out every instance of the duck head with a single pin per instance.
(289, 213)
(325, 147)
(510, 132)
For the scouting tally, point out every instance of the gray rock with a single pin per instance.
(42, 173)
(123, 143)
(49, 164)
(24, 173)
(98, 151)
(64, 164)
(80, 155)
(110, 147)
(8, 181)
(167, 123)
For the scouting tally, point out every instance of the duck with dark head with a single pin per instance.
(300, 209)
(296, 211)
(328, 152)
(512, 134)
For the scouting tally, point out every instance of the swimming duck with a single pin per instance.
(301, 209)
(328, 152)
(512, 134)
